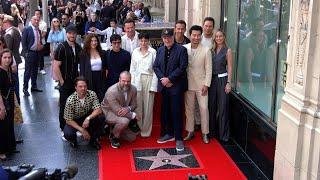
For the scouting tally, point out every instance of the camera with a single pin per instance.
(27, 172)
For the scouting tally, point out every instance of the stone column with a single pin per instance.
(33, 5)
(169, 10)
(297, 154)
(45, 14)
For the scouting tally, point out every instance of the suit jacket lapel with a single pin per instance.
(171, 57)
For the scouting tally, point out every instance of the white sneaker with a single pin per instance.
(62, 136)
(43, 72)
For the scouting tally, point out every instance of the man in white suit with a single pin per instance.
(199, 78)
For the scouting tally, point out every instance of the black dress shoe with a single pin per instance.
(95, 144)
(26, 93)
(36, 90)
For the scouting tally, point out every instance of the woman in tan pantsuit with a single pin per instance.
(145, 80)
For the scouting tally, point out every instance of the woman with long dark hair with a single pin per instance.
(93, 65)
(220, 88)
(7, 140)
(146, 15)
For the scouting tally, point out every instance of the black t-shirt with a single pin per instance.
(116, 62)
(69, 62)
(5, 82)
(185, 41)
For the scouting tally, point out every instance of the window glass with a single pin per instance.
(257, 45)
(231, 30)
(282, 57)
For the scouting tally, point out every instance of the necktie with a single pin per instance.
(113, 31)
(37, 39)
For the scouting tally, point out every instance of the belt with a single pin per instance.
(222, 75)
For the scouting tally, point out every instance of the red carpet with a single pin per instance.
(117, 164)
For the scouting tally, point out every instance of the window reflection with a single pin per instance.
(257, 42)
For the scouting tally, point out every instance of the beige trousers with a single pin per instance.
(145, 100)
(120, 129)
(190, 100)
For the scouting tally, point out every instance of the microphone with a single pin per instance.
(35, 174)
(69, 172)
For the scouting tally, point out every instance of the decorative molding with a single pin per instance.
(303, 33)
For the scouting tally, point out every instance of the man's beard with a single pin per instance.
(125, 88)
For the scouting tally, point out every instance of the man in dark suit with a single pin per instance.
(170, 67)
(13, 39)
(31, 46)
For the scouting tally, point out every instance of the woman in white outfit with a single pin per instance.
(145, 80)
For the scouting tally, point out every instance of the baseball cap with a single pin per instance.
(71, 28)
(167, 32)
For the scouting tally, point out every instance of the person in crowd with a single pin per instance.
(179, 30)
(7, 140)
(79, 17)
(145, 80)
(131, 16)
(208, 36)
(43, 31)
(170, 67)
(146, 18)
(82, 113)
(124, 11)
(199, 73)
(31, 47)
(12, 39)
(221, 87)
(17, 19)
(69, 9)
(118, 60)
(65, 21)
(65, 69)
(56, 36)
(130, 40)
(120, 107)
(108, 12)
(6, 7)
(93, 24)
(53, 9)
(136, 9)
(113, 29)
(92, 65)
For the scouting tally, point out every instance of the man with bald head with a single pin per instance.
(120, 109)
(31, 47)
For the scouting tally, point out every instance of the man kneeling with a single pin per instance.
(81, 113)
(119, 106)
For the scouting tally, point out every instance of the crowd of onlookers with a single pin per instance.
(113, 86)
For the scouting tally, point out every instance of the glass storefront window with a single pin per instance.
(282, 55)
(256, 59)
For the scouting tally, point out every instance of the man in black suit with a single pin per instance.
(31, 46)
(170, 67)
(13, 39)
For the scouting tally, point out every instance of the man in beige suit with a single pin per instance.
(199, 78)
(119, 107)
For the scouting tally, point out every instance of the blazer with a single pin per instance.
(199, 67)
(176, 68)
(114, 100)
(27, 39)
(13, 40)
(85, 67)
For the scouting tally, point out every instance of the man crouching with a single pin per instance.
(82, 114)
(119, 107)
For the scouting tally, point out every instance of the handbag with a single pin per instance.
(6, 101)
(17, 118)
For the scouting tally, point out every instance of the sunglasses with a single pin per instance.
(55, 21)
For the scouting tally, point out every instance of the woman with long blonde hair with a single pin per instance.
(18, 21)
(220, 88)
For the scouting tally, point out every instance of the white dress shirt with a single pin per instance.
(108, 32)
(128, 44)
(142, 64)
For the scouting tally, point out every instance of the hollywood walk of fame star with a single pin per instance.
(163, 158)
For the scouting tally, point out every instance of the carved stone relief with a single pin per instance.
(302, 40)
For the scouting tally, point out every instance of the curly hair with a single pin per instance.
(87, 46)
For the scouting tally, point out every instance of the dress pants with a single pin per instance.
(191, 97)
(94, 128)
(64, 94)
(41, 60)
(120, 129)
(97, 84)
(171, 114)
(219, 108)
(145, 100)
(31, 69)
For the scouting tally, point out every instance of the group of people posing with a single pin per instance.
(117, 86)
